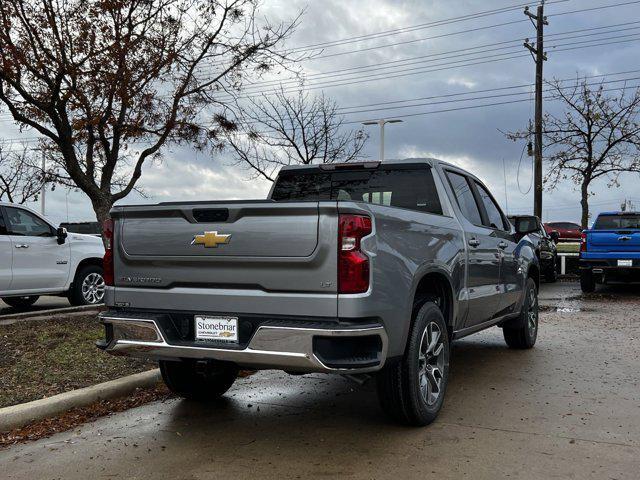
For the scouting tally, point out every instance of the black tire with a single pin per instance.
(400, 390)
(20, 302)
(203, 382)
(551, 275)
(587, 281)
(77, 296)
(523, 333)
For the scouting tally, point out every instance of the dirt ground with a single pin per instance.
(569, 408)
(43, 358)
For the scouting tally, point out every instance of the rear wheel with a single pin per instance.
(20, 302)
(198, 380)
(587, 281)
(551, 274)
(412, 390)
(524, 333)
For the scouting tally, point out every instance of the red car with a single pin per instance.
(569, 231)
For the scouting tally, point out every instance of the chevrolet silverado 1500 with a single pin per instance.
(355, 268)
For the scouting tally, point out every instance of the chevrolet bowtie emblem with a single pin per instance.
(210, 239)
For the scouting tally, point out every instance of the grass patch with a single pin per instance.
(569, 247)
(46, 357)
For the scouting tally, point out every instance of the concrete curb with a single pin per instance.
(48, 314)
(20, 415)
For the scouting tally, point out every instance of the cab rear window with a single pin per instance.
(411, 188)
(617, 222)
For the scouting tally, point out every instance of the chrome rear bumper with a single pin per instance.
(285, 348)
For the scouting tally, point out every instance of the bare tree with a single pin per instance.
(596, 136)
(108, 84)
(20, 178)
(278, 130)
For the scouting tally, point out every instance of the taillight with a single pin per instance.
(107, 260)
(353, 264)
(583, 242)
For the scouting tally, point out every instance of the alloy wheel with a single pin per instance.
(93, 288)
(532, 313)
(431, 363)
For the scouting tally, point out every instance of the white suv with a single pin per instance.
(37, 258)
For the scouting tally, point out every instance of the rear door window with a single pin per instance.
(494, 215)
(465, 198)
(411, 188)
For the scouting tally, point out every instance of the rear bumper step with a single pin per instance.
(304, 348)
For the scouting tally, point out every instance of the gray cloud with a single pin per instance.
(470, 138)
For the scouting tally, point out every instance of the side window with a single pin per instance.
(21, 222)
(493, 212)
(465, 198)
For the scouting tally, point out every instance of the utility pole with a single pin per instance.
(382, 122)
(539, 56)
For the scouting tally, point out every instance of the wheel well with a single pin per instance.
(435, 287)
(87, 261)
(534, 274)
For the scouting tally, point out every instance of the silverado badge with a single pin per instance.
(210, 239)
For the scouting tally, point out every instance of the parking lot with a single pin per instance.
(569, 408)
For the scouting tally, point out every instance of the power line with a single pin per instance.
(501, 95)
(518, 40)
(475, 29)
(373, 68)
(511, 87)
(435, 23)
(469, 107)
(414, 71)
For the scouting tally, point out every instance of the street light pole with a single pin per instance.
(381, 123)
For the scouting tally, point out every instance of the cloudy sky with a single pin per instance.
(451, 54)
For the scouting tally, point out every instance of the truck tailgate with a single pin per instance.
(262, 245)
(613, 241)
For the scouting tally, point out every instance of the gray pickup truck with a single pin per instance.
(346, 268)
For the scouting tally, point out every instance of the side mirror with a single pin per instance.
(555, 235)
(526, 224)
(61, 233)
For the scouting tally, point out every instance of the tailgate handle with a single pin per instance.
(211, 215)
(624, 238)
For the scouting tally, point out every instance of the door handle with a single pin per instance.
(22, 245)
(474, 242)
(502, 245)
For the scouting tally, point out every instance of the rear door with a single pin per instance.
(483, 273)
(510, 287)
(6, 256)
(39, 263)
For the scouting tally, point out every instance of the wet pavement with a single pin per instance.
(569, 408)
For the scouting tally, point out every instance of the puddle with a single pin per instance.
(563, 309)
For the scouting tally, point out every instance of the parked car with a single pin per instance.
(610, 250)
(356, 268)
(37, 258)
(567, 231)
(546, 250)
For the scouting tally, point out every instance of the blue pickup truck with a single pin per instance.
(610, 250)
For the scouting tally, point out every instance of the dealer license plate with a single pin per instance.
(625, 263)
(219, 329)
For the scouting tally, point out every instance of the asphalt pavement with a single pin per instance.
(43, 303)
(569, 408)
